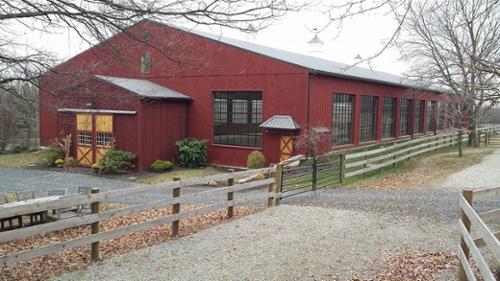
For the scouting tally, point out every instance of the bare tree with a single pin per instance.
(96, 20)
(7, 120)
(445, 41)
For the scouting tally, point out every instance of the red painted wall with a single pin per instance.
(324, 87)
(197, 67)
(161, 124)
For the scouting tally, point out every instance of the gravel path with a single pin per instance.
(483, 175)
(283, 243)
(16, 180)
(313, 236)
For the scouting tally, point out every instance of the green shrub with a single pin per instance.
(191, 152)
(159, 166)
(51, 154)
(19, 148)
(116, 161)
(70, 162)
(256, 160)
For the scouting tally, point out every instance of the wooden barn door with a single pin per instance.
(85, 139)
(94, 137)
(104, 135)
(286, 147)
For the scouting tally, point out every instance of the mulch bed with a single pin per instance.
(42, 268)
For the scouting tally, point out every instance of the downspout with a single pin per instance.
(311, 75)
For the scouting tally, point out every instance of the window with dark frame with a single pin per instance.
(439, 116)
(145, 63)
(430, 111)
(236, 118)
(417, 120)
(404, 117)
(388, 117)
(343, 110)
(368, 118)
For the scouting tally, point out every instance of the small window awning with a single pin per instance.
(280, 123)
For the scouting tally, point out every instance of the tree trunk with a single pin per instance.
(28, 137)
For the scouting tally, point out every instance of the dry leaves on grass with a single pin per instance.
(425, 171)
(55, 264)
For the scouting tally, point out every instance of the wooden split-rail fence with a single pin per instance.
(469, 247)
(173, 196)
(280, 182)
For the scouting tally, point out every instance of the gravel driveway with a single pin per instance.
(282, 243)
(16, 180)
(327, 235)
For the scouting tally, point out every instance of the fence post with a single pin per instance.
(94, 227)
(176, 208)
(394, 155)
(314, 173)
(459, 142)
(486, 139)
(278, 183)
(230, 197)
(342, 169)
(467, 194)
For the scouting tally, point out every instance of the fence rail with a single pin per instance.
(469, 246)
(336, 168)
(227, 193)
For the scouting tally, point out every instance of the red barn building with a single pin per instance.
(154, 84)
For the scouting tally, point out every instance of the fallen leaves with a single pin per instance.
(55, 264)
(425, 171)
(418, 265)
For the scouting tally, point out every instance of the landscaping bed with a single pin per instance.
(42, 268)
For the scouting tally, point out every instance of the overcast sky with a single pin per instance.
(363, 35)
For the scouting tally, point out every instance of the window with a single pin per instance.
(404, 117)
(342, 119)
(418, 127)
(388, 112)
(145, 36)
(439, 116)
(236, 118)
(104, 139)
(85, 138)
(146, 63)
(368, 118)
(431, 107)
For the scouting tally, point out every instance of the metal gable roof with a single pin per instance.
(316, 64)
(144, 88)
(280, 122)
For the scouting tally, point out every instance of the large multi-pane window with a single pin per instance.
(430, 115)
(388, 117)
(343, 110)
(404, 117)
(368, 118)
(418, 125)
(237, 116)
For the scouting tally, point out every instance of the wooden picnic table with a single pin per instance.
(42, 215)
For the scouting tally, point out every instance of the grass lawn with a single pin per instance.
(23, 159)
(183, 173)
(424, 171)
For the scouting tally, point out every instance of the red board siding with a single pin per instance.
(161, 125)
(197, 67)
